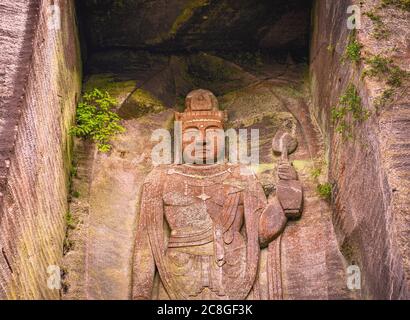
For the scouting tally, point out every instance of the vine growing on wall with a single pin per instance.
(96, 120)
(353, 49)
(384, 69)
(349, 111)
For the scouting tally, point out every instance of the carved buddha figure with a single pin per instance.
(202, 226)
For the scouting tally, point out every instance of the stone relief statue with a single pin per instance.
(202, 226)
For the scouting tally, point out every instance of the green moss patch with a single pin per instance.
(187, 14)
(325, 191)
(384, 69)
(403, 4)
(348, 112)
(140, 103)
(119, 90)
(353, 49)
(380, 30)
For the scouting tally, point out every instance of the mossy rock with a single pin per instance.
(176, 25)
(140, 103)
(119, 90)
(217, 74)
(187, 14)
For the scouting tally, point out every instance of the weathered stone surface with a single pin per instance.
(267, 97)
(196, 24)
(42, 86)
(369, 173)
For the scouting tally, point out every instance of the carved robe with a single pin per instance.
(200, 230)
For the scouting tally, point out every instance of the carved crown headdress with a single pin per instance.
(201, 106)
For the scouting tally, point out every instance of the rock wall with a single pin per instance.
(369, 173)
(42, 84)
(189, 25)
(259, 93)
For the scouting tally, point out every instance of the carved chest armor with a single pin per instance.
(205, 216)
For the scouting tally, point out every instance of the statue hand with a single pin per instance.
(286, 171)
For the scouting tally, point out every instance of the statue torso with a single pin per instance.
(206, 248)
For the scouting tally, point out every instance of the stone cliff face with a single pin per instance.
(369, 172)
(39, 92)
(254, 56)
(196, 25)
(267, 95)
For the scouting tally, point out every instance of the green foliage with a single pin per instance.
(380, 31)
(316, 173)
(384, 98)
(378, 65)
(403, 4)
(75, 194)
(353, 50)
(95, 120)
(73, 171)
(385, 70)
(70, 222)
(396, 76)
(350, 105)
(325, 191)
(374, 17)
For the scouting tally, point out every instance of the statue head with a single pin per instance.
(202, 126)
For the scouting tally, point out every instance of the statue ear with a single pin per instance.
(225, 115)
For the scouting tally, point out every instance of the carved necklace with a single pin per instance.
(203, 196)
(195, 176)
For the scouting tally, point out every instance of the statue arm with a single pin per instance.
(272, 221)
(286, 204)
(289, 190)
(143, 263)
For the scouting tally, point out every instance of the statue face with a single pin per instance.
(203, 138)
(202, 141)
(201, 101)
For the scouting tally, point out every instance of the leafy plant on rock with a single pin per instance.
(96, 120)
(353, 50)
(384, 69)
(350, 104)
(403, 4)
(325, 191)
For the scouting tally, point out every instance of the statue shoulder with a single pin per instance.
(244, 172)
(249, 179)
(156, 175)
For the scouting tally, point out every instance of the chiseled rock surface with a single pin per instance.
(17, 27)
(370, 174)
(196, 24)
(266, 96)
(42, 84)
